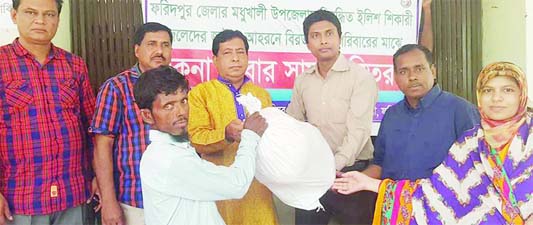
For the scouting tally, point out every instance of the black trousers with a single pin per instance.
(352, 209)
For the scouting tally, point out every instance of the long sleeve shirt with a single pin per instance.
(45, 150)
(412, 142)
(212, 107)
(181, 188)
(341, 105)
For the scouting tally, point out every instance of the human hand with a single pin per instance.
(95, 197)
(354, 181)
(112, 213)
(233, 130)
(256, 123)
(5, 213)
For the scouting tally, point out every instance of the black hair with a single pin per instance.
(410, 47)
(321, 15)
(59, 4)
(150, 27)
(161, 80)
(227, 35)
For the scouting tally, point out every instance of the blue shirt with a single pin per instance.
(412, 142)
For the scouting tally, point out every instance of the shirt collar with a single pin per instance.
(228, 83)
(428, 99)
(340, 65)
(158, 136)
(21, 51)
(135, 70)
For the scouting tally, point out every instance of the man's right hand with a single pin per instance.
(233, 130)
(256, 123)
(4, 211)
(112, 213)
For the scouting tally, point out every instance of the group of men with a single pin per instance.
(61, 148)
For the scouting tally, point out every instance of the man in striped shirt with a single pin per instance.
(46, 103)
(120, 134)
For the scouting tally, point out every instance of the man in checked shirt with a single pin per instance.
(46, 104)
(120, 133)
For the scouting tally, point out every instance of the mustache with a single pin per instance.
(159, 56)
(413, 84)
(182, 118)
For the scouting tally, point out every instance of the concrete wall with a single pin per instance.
(529, 44)
(507, 34)
(504, 33)
(63, 35)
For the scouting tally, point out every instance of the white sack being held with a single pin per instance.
(293, 159)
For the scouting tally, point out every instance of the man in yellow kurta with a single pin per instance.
(216, 122)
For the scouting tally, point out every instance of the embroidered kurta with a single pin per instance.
(469, 187)
(211, 107)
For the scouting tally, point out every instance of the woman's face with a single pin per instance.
(500, 98)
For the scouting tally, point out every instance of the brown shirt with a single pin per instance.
(341, 106)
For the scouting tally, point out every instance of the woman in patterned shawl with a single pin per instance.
(486, 177)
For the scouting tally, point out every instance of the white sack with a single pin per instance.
(293, 159)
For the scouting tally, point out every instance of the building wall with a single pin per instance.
(504, 33)
(508, 34)
(529, 44)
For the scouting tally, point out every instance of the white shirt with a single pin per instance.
(181, 188)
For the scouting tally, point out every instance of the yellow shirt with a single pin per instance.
(211, 108)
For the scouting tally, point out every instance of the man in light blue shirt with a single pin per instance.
(178, 186)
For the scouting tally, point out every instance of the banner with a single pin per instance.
(371, 32)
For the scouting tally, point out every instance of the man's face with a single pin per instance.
(324, 41)
(170, 113)
(154, 50)
(36, 20)
(414, 76)
(231, 60)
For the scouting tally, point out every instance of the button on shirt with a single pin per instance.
(45, 150)
(412, 142)
(341, 105)
(181, 188)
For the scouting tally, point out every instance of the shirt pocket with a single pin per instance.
(68, 92)
(18, 94)
(338, 110)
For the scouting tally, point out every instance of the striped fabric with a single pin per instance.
(467, 188)
(117, 115)
(45, 150)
